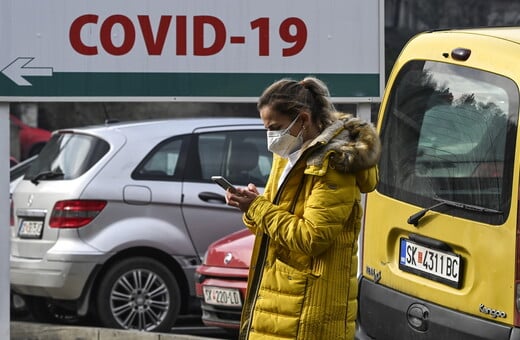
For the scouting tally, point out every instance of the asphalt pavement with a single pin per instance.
(25, 330)
(188, 327)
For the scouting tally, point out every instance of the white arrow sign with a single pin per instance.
(17, 70)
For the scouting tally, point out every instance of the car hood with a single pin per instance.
(233, 250)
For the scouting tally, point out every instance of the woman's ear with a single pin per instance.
(305, 116)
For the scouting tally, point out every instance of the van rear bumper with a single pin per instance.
(408, 317)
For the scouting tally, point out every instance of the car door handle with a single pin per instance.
(208, 196)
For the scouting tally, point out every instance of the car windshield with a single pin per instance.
(67, 156)
(449, 133)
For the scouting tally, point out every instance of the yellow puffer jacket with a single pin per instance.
(302, 281)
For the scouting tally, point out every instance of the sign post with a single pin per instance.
(171, 50)
(4, 229)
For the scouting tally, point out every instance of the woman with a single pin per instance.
(302, 281)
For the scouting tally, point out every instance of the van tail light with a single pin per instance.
(517, 270)
(361, 237)
(75, 213)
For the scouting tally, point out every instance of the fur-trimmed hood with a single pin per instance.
(349, 144)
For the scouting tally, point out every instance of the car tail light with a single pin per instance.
(12, 214)
(75, 213)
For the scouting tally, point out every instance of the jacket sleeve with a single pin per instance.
(268, 192)
(367, 179)
(321, 213)
(249, 222)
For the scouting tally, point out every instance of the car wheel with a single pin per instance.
(139, 293)
(44, 310)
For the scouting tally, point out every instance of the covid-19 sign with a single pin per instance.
(171, 49)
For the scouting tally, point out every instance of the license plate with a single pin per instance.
(437, 265)
(30, 229)
(222, 296)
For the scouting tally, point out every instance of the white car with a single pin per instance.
(113, 220)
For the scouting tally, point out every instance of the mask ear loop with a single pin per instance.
(303, 124)
(291, 125)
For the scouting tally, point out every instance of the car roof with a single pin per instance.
(506, 33)
(173, 126)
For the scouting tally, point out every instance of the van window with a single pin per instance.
(449, 133)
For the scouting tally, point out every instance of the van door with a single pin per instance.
(441, 230)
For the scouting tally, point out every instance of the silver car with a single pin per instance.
(113, 220)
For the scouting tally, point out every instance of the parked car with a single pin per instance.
(441, 245)
(221, 280)
(31, 139)
(111, 221)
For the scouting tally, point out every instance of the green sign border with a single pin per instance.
(74, 84)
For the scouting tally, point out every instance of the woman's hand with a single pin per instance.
(242, 197)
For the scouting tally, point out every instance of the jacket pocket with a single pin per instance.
(283, 288)
(289, 280)
(280, 299)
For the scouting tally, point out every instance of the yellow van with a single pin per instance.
(441, 242)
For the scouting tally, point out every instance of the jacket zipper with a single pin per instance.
(265, 245)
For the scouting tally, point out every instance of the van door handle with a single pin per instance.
(430, 242)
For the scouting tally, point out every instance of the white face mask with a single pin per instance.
(282, 143)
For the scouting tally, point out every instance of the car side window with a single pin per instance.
(162, 163)
(240, 156)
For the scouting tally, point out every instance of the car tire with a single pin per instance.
(124, 297)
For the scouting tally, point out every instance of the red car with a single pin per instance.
(221, 280)
(31, 139)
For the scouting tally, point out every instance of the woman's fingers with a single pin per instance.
(242, 198)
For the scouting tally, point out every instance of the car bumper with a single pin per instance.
(54, 279)
(384, 314)
(221, 316)
(215, 316)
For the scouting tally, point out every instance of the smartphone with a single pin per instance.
(224, 183)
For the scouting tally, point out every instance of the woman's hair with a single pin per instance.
(289, 97)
